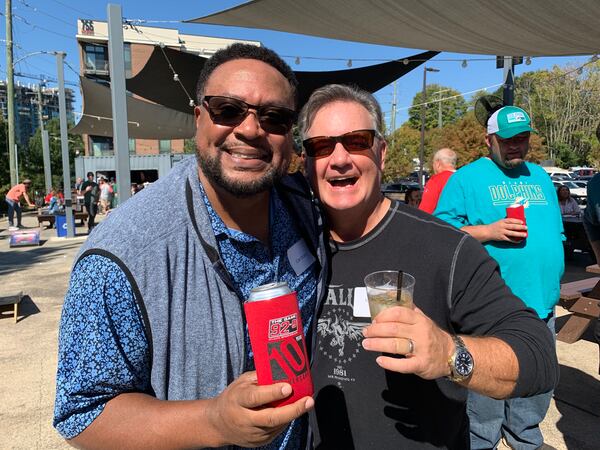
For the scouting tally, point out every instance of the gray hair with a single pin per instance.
(339, 93)
(446, 156)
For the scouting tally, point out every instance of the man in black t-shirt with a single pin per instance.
(400, 382)
(91, 197)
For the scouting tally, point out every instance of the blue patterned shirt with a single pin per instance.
(103, 351)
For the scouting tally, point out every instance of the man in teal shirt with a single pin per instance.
(530, 255)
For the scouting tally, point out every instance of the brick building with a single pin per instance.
(92, 37)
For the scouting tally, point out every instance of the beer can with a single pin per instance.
(516, 212)
(277, 339)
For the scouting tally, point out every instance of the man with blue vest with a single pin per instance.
(477, 199)
(153, 348)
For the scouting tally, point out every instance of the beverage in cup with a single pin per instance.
(389, 288)
(516, 212)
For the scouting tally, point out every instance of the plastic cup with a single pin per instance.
(516, 212)
(383, 290)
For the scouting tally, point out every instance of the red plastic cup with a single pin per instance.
(517, 212)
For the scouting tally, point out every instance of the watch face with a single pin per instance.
(463, 364)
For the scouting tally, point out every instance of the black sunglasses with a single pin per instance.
(231, 112)
(354, 142)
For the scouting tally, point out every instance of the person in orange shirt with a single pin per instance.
(444, 165)
(13, 198)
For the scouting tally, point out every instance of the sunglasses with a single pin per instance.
(354, 142)
(231, 112)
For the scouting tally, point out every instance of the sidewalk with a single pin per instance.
(28, 352)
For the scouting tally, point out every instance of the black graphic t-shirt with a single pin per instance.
(359, 405)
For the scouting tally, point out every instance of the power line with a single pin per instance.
(74, 9)
(34, 26)
(35, 9)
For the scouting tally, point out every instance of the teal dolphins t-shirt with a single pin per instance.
(480, 192)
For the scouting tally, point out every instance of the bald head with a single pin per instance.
(444, 159)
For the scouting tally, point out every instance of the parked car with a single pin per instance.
(581, 183)
(397, 189)
(578, 193)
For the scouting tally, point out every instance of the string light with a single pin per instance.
(175, 77)
(464, 64)
(528, 60)
(192, 103)
(594, 58)
(297, 60)
(580, 71)
(349, 64)
(405, 61)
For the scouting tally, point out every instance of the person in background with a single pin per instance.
(13, 200)
(105, 196)
(402, 387)
(91, 196)
(78, 184)
(530, 256)
(153, 347)
(568, 205)
(413, 196)
(444, 165)
(591, 223)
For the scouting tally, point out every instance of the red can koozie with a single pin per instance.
(277, 339)
(516, 212)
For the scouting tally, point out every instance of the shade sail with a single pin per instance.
(532, 27)
(156, 83)
(146, 120)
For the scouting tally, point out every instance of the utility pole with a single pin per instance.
(393, 124)
(440, 110)
(45, 143)
(118, 97)
(423, 106)
(10, 94)
(64, 144)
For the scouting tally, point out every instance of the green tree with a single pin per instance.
(31, 159)
(452, 103)
(403, 147)
(189, 146)
(565, 109)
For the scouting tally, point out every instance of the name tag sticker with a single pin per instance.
(300, 257)
(361, 303)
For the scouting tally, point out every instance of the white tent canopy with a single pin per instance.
(518, 28)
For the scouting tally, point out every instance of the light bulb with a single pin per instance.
(297, 60)
(464, 64)
(349, 64)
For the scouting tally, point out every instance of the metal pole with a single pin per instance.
(45, 147)
(10, 94)
(440, 110)
(422, 146)
(46, 155)
(64, 144)
(16, 164)
(118, 97)
(508, 93)
(394, 109)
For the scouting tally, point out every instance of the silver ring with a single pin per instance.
(411, 346)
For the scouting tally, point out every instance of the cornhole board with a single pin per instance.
(13, 299)
(25, 238)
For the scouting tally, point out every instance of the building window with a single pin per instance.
(127, 56)
(96, 59)
(101, 146)
(131, 146)
(164, 146)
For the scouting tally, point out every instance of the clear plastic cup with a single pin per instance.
(383, 293)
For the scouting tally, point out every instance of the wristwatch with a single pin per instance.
(461, 361)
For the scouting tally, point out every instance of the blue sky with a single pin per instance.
(49, 25)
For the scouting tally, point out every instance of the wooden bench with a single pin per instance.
(582, 298)
(45, 217)
(14, 300)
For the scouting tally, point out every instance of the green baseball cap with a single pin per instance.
(508, 122)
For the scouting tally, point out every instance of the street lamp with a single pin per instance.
(423, 105)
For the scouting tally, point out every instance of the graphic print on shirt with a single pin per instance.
(508, 193)
(340, 336)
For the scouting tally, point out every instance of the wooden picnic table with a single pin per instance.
(14, 300)
(582, 298)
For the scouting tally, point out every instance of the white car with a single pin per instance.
(576, 191)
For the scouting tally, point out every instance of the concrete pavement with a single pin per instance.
(28, 352)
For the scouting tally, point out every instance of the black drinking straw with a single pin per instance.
(399, 286)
